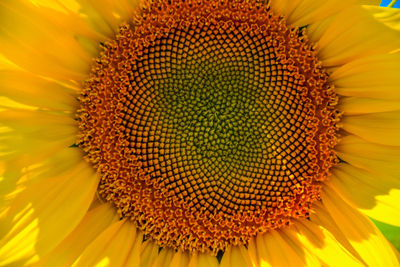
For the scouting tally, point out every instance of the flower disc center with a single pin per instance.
(209, 122)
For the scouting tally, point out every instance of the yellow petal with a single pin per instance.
(381, 128)
(164, 258)
(106, 15)
(389, 16)
(387, 209)
(35, 140)
(370, 2)
(27, 160)
(148, 253)
(40, 125)
(55, 164)
(360, 232)
(202, 260)
(319, 242)
(69, 15)
(17, 149)
(263, 255)
(61, 6)
(342, 38)
(133, 259)
(236, 256)
(321, 217)
(300, 13)
(377, 159)
(91, 226)
(42, 40)
(111, 247)
(8, 103)
(180, 259)
(370, 77)
(6, 64)
(375, 196)
(253, 253)
(276, 248)
(45, 213)
(24, 168)
(38, 92)
(386, 92)
(359, 105)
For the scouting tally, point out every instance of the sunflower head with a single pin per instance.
(198, 133)
(209, 122)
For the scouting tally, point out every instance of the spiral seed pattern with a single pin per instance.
(209, 122)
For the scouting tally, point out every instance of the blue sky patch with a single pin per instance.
(385, 3)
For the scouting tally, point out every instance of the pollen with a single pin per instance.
(208, 122)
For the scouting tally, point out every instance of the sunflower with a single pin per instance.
(198, 133)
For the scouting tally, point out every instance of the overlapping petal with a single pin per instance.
(46, 189)
(45, 212)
